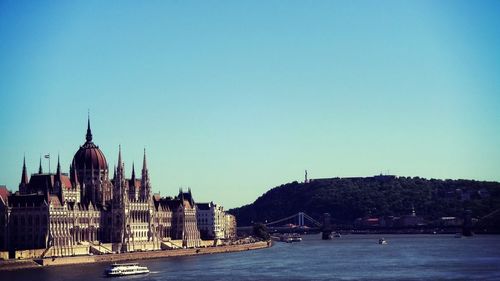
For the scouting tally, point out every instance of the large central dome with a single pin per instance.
(89, 156)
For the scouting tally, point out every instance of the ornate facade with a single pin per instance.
(211, 222)
(214, 222)
(86, 211)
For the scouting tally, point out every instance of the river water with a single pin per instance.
(352, 257)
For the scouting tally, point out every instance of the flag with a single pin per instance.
(47, 156)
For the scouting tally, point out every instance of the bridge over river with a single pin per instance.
(303, 223)
(297, 223)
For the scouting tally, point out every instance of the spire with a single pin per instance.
(58, 172)
(145, 187)
(24, 176)
(144, 165)
(89, 132)
(133, 172)
(119, 155)
(119, 169)
(40, 171)
(58, 166)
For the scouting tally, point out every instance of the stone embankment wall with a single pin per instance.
(28, 254)
(110, 258)
(17, 264)
(181, 252)
(67, 260)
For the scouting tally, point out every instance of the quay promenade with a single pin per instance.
(109, 258)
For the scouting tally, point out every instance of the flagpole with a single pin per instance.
(47, 156)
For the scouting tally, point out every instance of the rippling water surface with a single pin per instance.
(352, 257)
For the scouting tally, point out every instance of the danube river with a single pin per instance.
(352, 257)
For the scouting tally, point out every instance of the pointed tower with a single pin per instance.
(145, 187)
(120, 193)
(58, 172)
(23, 186)
(133, 172)
(88, 136)
(58, 182)
(24, 176)
(131, 185)
(120, 202)
(57, 178)
(40, 171)
(119, 171)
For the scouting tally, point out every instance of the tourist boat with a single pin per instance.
(290, 238)
(122, 269)
(296, 237)
(286, 238)
(382, 241)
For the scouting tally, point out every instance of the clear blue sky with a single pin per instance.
(232, 98)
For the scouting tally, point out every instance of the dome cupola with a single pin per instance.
(89, 156)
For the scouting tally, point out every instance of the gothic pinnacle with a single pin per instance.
(40, 167)
(88, 137)
(24, 176)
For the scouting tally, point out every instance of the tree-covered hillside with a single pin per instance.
(349, 198)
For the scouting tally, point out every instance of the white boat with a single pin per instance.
(286, 238)
(382, 241)
(122, 269)
(337, 235)
(289, 238)
(296, 237)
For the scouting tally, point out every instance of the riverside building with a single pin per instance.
(211, 221)
(86, 211)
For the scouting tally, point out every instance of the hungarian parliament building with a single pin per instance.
(56, 214)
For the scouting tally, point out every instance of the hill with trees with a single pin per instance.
(347, 199)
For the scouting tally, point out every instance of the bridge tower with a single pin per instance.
(300, 217)
(467, 225)
(327, 228)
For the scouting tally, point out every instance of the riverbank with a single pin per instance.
(110, 258)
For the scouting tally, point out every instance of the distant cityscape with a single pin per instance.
(86, 212)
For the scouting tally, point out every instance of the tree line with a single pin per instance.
(349, 198)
